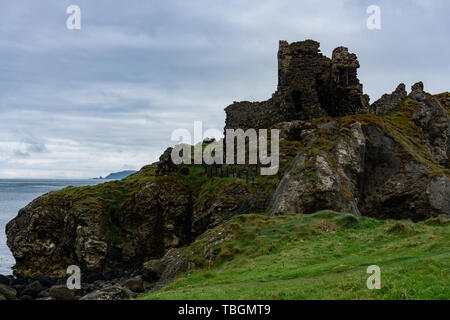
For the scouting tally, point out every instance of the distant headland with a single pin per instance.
(117, 175)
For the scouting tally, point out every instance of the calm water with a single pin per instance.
(16, 194)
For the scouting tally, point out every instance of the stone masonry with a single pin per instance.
(310, 85)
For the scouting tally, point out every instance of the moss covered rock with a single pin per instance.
(52, 233)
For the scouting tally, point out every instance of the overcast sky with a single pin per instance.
(83, 103)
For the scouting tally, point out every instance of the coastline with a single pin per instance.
(16, 194)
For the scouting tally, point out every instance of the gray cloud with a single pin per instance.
(106, 97)
(20, 154)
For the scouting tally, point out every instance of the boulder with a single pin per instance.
(33, 289)
(112, 292)
(45, 281)
(18, 282)
(44, 294)
(135, 284)
(7, 292)
(153, 269)
(61, 292)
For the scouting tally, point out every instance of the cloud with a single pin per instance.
(20, 154)
(107, 97)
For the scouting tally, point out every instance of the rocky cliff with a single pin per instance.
(394, 166)
(385, 160)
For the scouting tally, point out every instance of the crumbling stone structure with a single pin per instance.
(165, 164)
(310, 85)
(389, 102)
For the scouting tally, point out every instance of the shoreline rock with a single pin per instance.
(46, 288)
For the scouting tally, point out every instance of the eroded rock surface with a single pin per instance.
(326, 179)
(388, 102)
(433, 118)
(365, 171)
(51, 234)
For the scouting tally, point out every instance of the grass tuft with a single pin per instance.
(399, 228)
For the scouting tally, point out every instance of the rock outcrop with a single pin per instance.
(51, 233)
(165, 164)
(397, 186)
(394, 167)
(327, 178)
(389, 102)
(359, 169)
(433, 118)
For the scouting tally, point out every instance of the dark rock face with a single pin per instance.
(396, 188)
(361, 173)
(165, 164)
(328, 179)
(217, 208)
(389, 102)
(418, 86)
(4, 279)
(46, 238)
(310, 85)
(434, 121)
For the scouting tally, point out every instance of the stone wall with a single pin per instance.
(310, 85)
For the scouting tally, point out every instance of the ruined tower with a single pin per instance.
(310, 85)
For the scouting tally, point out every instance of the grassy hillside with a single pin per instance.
(321, 256)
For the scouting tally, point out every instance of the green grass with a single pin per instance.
(319, 256)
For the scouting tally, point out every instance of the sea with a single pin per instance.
(16, 194)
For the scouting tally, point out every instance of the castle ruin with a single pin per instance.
(310, 85)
